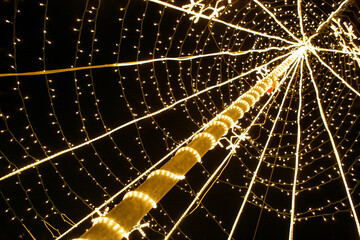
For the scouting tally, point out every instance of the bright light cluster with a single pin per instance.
(213, 123)
(141, 196)
(209, 136)
(111, 224)
(192, 151)
(166, 173)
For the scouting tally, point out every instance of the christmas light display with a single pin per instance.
(163, 119)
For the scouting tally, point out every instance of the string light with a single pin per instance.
(191, 151)
(113, 225)
(140, 195)
(166, 173)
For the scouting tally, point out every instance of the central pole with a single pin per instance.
(136, 204)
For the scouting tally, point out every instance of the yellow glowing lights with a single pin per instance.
(213, 123)
(140, 195)
(192, 151)
(166, 173)
(255, 94)
(111, 224)
(243, 104)
(226, 118)
(209, 136)
(237, 108)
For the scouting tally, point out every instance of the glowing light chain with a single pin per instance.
(166, 173)
(226, 118)
(335, 73)
(209, 136)
(112, 224)
(237, 108)
(245, 105)
(140, 195)
(255, 94)
(298, 141)
(212, 123)
(192, 151)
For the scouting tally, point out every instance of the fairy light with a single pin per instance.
(111, 224)
(191, 151)
(244, 105)
(219, 123)
(225, 118)
(167, 174)
(141, 196)
(208, 136)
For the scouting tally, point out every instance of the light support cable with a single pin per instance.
(132, 209)
(277, 21)
(281, 70)
(296, 169)
(38, 162)
(337, 156)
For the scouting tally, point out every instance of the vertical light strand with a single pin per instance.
(298, 140)
(284, 68)
(334, 148)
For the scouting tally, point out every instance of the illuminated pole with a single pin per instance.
(136, 204)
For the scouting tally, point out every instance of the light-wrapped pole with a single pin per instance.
(136, 204)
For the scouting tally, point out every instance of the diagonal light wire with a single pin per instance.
(298, 140)
(263, 153)
(277, 21)
(334, 148)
